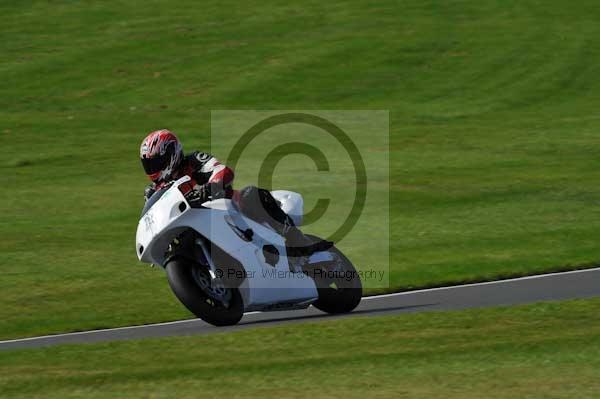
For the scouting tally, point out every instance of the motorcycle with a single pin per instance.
(221, 263)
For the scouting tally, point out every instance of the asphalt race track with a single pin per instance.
(557, 286)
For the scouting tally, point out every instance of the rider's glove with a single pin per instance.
(202, 193)
(148, 191)
(198, 196)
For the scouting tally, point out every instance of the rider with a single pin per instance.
(163, 160)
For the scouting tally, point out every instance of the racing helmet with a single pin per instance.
(161, 154)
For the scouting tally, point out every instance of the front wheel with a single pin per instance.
(193, 286)
(338, 283)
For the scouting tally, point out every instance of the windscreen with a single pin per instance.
(152, 200)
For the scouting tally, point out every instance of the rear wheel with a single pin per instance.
(210, 301)
(338, 283)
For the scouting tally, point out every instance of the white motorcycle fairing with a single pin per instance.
(220, 222)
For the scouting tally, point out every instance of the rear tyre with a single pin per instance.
(338, 283)
(193, 286)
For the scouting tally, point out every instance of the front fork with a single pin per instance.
(215, 280)
(212, 269)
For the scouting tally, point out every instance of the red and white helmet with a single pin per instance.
(161, 154)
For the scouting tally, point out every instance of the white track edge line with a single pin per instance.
(166, 323)
(101, 330)
(508, 280)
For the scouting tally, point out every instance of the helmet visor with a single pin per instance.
(154, 165)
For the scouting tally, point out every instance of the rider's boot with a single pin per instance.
(300, 245)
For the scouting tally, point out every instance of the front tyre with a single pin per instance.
(338, 283)
(192, 285)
